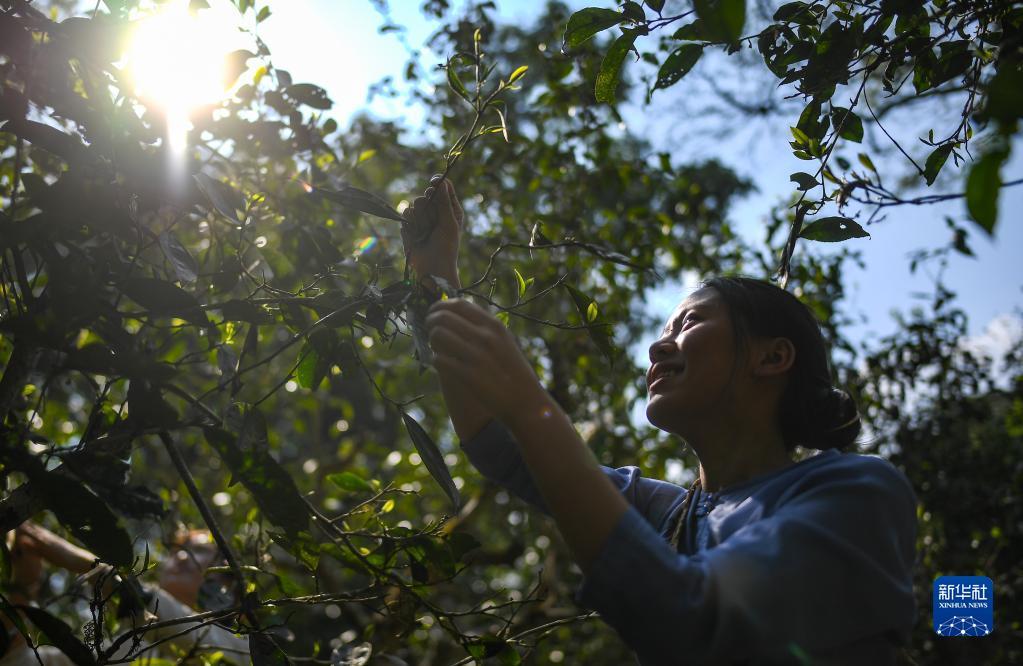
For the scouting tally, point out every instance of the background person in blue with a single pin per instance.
(764, 560)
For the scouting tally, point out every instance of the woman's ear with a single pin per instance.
(773, 357)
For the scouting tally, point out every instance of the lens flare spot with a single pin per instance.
(365, 245)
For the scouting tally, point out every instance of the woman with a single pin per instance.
(764, 560)
(181, 575)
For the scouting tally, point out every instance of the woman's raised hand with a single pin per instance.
(475, 351)
(55, 550)
(434, 230)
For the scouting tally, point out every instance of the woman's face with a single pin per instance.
(692, 365)
(181, 572)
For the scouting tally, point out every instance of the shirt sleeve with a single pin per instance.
(495, 453)
(187, 636)
(832, 566)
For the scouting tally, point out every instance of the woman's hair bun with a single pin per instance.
(837, 420)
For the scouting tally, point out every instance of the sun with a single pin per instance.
(177, 61)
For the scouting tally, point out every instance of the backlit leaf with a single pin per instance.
(935, 161)
(185, 266)
(60, 634)
(521, 283)
(227, 200)
(678, 64)
(600, 332)
(517, 74)
(264, 651)
(349, 481)
(249, 461)
(360, 200)
(982, 188)
(611, 67)
(432, 458)
(311, 369)
(310, 95)
(585, 23)
(455, 82)
(804, 180)
(723, 19)
(832, 230)
(87, 516)
(852, 126)
(162, 298)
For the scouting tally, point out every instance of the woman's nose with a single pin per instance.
(661, 349)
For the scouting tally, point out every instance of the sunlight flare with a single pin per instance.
(178, 61)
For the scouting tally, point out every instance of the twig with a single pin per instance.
(211, 521)
(866, 100)
(534, 630)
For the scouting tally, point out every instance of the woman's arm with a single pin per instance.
(476, 354)
(495, 454)
(483, 375)
(438, 256)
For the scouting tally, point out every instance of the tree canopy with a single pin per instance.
(227, 336)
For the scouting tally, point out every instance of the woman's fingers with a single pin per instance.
(449, 202)
(447, 343)
(463, 308)
(450, 332)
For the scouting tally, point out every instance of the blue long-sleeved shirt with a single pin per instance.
(810, 564)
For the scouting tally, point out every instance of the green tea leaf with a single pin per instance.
(147, 407)
(162, 298)
(235, 64)
(432, 458)
(692, 32)
(600, 332)
(239, 310)
(350, 482)
(265, 652)
(310, 95)
(227, 200)
(677, 65)
(311, 369)
(585, 23)
(185, 265)
(833, 230)
(454, 81)
(804, 180)
(633, 11)
(517, 74)
(611, 67)
(360, 200)
(521, 282)
(273, 489)
(788, 10)
(852, 126)
(723, 19)
(60, 634)
(982, 188)
(935, 161)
